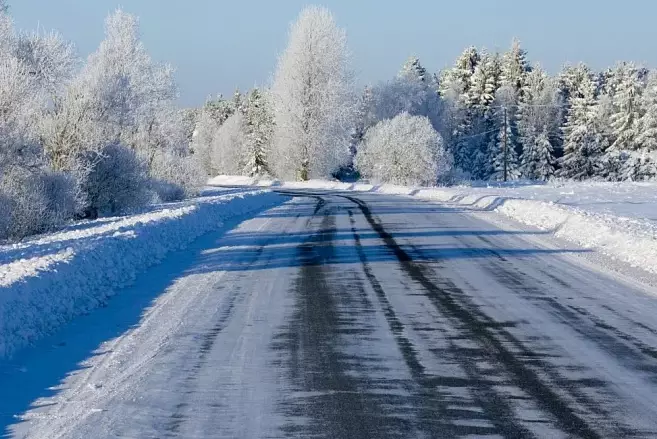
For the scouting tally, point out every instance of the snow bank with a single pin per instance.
(632, 240)
(47, 281)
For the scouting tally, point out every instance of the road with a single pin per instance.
(342, 315)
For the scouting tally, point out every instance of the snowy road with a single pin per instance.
(359, 316)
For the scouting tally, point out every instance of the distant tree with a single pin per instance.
(227, 153)
(258, 126)
(313, 99)
(582, 141)
(538, 123)
(413, 70)
(404, 150)
(647, 123)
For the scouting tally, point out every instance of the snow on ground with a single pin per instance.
(615, 219)
(48, 280)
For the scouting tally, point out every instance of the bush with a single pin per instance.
(34, 201)
(405, 150)
(118, 182)
(175, 177)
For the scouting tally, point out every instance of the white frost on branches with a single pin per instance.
(405, 150)
(313, 99)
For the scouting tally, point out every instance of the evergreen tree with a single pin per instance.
(454, 87)
(413, 70)
(582, 142)
(501, 151)
(647, 131)
(626, 99)
(258, 126)
(538, 116)
(514, 67)
(537, 162)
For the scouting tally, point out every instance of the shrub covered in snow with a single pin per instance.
(34, 201)
(117, 183)
(405, 150)
(175, 177)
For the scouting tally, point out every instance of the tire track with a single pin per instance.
(429, 398)
(452, 301)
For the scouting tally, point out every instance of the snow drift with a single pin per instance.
(47, 281)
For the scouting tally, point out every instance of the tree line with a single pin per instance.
(491, 116)
(82, 138)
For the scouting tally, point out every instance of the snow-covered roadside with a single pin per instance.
(618, 220)
(629, 240)
(47, 281)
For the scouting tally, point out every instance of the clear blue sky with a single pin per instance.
(218, 45)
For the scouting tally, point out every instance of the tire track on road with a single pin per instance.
(452, 301)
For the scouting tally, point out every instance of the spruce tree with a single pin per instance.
(582, 143)
(647, 131)
(413, 70)
(258, 126)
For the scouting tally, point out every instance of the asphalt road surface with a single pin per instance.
(341, 315)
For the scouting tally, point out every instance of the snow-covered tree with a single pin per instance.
(313, 99)
(537, 161)
(258, 131)
(413, 70)
(582, 141)
(502, 154)
(514, 67)
(647, 124)
(626, 100)
(227, 153)
(405, 150)
(538, 116)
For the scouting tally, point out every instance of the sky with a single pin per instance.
(219, 45)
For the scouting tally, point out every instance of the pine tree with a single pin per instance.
(647, 137)
(458, 77)
(502, 154)
(626, 99)
(582, 142)
(537, 162)
(413, 70)
(537, 116)
(514, 67)
(258, 130)
(454, 87)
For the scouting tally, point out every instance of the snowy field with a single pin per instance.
(618, 220)
(48, 280)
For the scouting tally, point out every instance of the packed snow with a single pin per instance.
(48, 280)
(615, 219)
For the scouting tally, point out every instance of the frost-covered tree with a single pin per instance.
(413, 70)
(258, 131)
(582, 141)
(228, 145)
(313, 99)
(537, 161)
(363, 120)
(514, 67)
(538, 116)
(405, 150)
(626, 100)
(647, 124)
(502, 154)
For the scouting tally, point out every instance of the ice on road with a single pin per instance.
(345, 315)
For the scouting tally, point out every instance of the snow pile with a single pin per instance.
(617, 219)
(49, 280)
